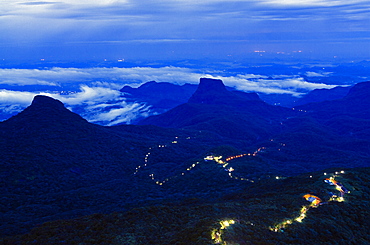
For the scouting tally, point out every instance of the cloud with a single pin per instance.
(106, 76)
(111, 115)
(170, 19)
(324, 3)
(316, 74)
(99, 100)
(293, 85)
(103, 83)
(96, 104)
(89, 96)
(36, 3)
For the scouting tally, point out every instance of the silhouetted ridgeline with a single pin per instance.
(55, 165)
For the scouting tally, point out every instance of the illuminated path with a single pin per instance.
(315, 203)
(216, 234)
(216, 159)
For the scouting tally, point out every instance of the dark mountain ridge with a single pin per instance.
(212, 107)
(319, 95)
(355, 103)
(348, 116)
(56, 165)
(161, 96)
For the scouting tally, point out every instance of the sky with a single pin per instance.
(183, 29)
(115, 35)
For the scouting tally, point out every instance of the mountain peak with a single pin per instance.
(213, 91)
(43, 101)
(210, 84)
(47, 111)
(209, 91)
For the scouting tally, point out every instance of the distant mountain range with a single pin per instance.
(56, 165)
(162, 96)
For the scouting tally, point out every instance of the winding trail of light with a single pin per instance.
(217, 159)
(337, 198)
(216, 234)
(302, 214)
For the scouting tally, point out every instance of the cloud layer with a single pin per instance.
(98, 99)
(116, 78)
(96, 104)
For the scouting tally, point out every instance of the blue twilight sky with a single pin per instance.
(182, 29)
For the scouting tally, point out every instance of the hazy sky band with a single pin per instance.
(171, 28)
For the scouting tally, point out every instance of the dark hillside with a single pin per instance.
(319, 95)
(54, 164)
(161, 96)
(349, 116)
(266, 213)
(355, 104)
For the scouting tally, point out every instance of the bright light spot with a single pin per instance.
(226, 223)
(217, 233)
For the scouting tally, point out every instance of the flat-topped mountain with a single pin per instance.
(229, 113)
(213, 91)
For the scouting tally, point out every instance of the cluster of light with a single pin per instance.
(226, 223)
(233, 157)
(218, 159)
(339, 187)
(208, 158)
(302, 215)
(216, 234)
(315, 202)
